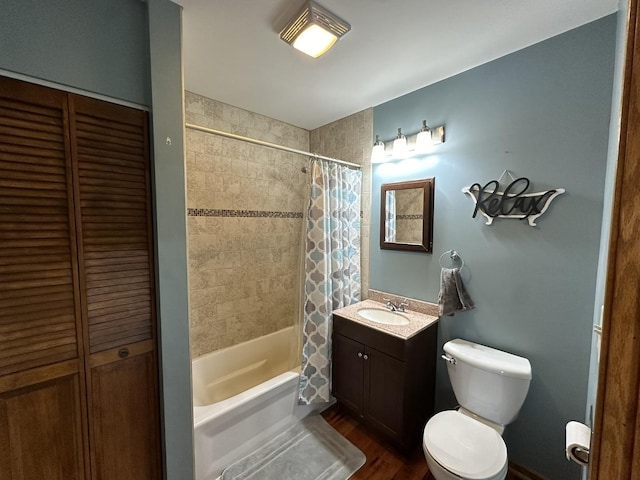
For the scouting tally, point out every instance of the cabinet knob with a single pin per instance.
(359, 354)
(123, 352)
(366, 357)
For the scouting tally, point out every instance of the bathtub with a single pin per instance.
(243, 396)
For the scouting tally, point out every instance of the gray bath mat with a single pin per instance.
(310, 450)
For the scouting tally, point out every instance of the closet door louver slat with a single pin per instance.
(37, 307)
(112, 176)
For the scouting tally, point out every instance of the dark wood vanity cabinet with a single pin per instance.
(386, 381)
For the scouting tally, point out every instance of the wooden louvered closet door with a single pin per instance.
(78, 360)
(42, 387)
(113, 214)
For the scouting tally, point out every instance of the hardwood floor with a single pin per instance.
(384, 461)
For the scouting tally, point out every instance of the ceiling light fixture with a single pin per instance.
(314, 30)
(402, 146)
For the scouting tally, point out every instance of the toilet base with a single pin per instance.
(441, 473)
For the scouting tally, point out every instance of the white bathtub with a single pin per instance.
(243, 396)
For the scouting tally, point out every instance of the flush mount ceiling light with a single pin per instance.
(314, 30)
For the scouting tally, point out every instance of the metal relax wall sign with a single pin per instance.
(513, 202)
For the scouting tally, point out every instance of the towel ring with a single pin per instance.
(453, 255)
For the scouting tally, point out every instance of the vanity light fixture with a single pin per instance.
(400, 144)
(407, 146)
(377, 153)
(423, 139)
(314, 30)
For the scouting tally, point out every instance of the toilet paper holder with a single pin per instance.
(578, 438)
(580, 456)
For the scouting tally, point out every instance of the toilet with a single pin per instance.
(490, 386)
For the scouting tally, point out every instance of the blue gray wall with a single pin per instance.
(127, 51)
(542, 113)
(97, 46)
(165, 29)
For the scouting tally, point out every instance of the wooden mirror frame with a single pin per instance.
(428, 186)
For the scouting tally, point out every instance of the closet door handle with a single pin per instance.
(366, 357)
(359, 354)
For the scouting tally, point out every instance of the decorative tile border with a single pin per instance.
(208, 212)
(409, 217)
(211, 212)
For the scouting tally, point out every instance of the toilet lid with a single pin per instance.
(464, 446)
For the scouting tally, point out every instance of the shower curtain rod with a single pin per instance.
(268, 144)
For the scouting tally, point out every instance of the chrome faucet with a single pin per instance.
(396, 308)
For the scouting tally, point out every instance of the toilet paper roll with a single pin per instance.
(578, 443)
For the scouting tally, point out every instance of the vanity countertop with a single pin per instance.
(417, 321)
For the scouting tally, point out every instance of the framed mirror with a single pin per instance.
(406, 216)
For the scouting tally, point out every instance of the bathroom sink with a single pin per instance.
(383, 316)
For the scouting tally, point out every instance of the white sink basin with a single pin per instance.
(383, 316)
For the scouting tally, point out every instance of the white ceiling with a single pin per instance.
(233, 53)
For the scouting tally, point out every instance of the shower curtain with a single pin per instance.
(332, 269)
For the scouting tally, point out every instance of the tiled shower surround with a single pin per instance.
(245, 205)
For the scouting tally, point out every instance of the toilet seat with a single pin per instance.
(465, 447)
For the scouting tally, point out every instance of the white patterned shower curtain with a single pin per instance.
(332, 269)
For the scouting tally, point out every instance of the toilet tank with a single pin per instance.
(488, 382)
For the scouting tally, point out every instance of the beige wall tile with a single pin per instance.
(235, 262)
(243, 271)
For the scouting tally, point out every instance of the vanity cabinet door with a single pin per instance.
(348, 372)
(370, 383)
(384, 383)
